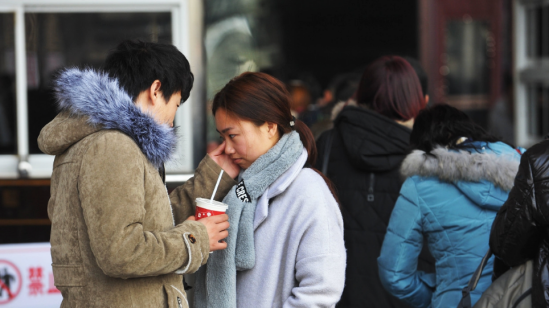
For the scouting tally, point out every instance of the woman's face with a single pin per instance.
(244, 141)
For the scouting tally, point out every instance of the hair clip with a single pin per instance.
(461, 140)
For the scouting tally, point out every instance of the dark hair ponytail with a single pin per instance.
(442, 126)
(261, 98)
(308, 140)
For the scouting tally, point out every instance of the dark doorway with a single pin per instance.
(326, 37)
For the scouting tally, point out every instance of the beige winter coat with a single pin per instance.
(118, 239)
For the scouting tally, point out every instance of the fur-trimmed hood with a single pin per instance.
(497, 163)
(93, 96)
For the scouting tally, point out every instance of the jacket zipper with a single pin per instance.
(370, 196)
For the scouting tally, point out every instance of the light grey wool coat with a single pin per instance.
(299, 242)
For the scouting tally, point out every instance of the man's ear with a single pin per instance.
(154, 92)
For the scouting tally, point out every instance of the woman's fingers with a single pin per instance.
(224, 161)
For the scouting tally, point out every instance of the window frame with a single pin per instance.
(527, 71)
(187, 28)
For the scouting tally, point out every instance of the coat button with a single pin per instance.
(192, 238)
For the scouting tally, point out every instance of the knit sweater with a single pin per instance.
(300, 254)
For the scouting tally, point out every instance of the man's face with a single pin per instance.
(152, 102)
(165, 112)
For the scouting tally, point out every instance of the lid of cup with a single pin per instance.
(203, 202)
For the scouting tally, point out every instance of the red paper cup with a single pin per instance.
(206, 208)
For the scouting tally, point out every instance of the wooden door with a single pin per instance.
(461, 49)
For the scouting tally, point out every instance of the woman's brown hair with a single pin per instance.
(261, 98)
(391, 87)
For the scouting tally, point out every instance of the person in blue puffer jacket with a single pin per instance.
(458, 176)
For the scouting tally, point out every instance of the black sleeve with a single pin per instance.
(321, 142)
(514, 237)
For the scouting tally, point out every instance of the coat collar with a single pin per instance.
(105, 104)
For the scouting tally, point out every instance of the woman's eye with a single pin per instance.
(231, 136)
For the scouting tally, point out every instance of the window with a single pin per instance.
(8, 135)
(537, 31)
(537, 98)
(39, 38)
(469, 46)
(23, 211)
(531, 71)
(55, 41)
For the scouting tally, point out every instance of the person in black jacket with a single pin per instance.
(520, 229)
(365, 149)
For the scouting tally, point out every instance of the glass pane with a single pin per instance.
(240, 35)
(537, 96)
(537, 32)
(545, 32)
(8, 133)
(469, 48)
(23, 207)
(58, 40)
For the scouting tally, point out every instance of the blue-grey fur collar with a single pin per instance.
(100, 98)
(452, 166)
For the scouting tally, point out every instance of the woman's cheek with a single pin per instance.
(236, 147)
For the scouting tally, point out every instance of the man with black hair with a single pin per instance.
(118, 239)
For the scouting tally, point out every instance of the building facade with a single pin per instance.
(489, 58)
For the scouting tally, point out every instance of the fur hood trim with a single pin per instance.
(452, 166)
(93, 94)
(339, 107)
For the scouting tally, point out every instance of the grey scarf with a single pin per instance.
(216, 282)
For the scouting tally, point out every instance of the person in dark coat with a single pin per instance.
(369, 141)
(520, 229)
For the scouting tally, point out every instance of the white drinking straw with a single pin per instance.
(216, 187)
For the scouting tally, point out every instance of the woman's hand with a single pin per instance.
(224, 161)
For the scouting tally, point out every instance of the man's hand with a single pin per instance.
(217, 230)
(224, 161)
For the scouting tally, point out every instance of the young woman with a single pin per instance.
(458, 178)
(369, 142)
(285, 246)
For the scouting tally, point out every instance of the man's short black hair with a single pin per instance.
(422, 76)
(136, 65)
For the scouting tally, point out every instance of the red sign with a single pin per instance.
(35, 277)
(26, 277)
(10, 281)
